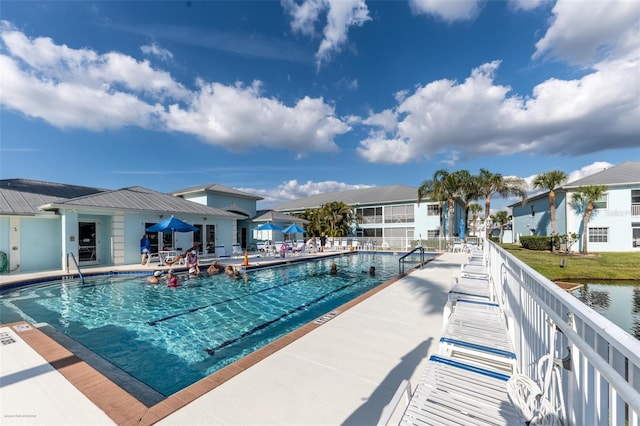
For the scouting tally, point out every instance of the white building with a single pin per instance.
(614, 224)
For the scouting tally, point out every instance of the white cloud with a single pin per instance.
(155, 50)
(588, 170)
(219, 114)
(478, 117)
(340, 16)
(527, 5)
(449, 11)
(581, 33)
(293, 190)
(84, 89)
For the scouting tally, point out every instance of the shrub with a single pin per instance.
(537, 242)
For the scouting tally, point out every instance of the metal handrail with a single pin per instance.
(73, 257)
(401, 260)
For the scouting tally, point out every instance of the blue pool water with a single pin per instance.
(169, 338)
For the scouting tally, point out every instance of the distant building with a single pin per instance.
(614, 224)
(42, 223)
(388, 215)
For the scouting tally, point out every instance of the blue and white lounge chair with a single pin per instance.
(453, 392)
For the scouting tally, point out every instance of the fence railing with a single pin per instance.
(405, 244)
(600, 362)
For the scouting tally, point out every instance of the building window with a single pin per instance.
(369, 215)
(372, 232)
(601, 203)
(399, 214)
(433, 233)
(433, 210)
(598, 235)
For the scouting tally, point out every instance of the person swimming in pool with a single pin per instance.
(172, 278)
(154, 279)
(334, 269)
(214, 268)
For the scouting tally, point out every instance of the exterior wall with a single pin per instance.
(36, 243)
(533, 218)
(616, 218)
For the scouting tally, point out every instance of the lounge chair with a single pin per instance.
(453, 392)
(300, 248)
(236, 250)
(476, 332)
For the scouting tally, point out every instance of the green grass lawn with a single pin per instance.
(594, 266)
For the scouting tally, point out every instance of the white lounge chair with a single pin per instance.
(300, 248)
(236, 250)
(452, 392)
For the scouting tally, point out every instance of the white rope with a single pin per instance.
(540, 404)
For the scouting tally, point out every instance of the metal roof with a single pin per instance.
(392, 194)
(216, 188)
(137, 198)
(274, 216)
(622, 174)
(23, 196)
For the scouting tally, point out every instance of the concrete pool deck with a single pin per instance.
(342, 370)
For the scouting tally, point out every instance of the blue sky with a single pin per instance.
(292, 98)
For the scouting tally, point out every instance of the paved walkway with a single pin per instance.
(343, 372)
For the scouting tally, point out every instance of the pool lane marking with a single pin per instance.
(212, 351)
(189, 311)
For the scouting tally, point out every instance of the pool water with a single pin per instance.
(169, 338)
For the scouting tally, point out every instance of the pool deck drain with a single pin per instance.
(326, 317)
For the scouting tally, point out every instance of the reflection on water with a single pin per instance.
(618, 301)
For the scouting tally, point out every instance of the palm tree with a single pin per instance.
(587, 196)
(494, 183)
(339, 217)
(432, 190)
(549, 181)
(501, 217)
(475, 209)
(468, 190)
(443, 186)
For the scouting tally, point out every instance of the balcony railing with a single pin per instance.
(635, 209)
(600, 374)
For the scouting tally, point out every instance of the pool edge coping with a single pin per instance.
(124, 408)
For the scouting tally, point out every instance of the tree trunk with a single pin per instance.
(585, 223)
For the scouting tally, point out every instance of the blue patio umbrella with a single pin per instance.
(294, 228)
(172, 224)
(462, 229)
(268, 227)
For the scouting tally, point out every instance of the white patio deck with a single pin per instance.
(342, 372)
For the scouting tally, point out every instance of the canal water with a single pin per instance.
(618, 301)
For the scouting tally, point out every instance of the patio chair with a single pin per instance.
(300, 248)
(453, 392)
(477, 333)
(236, 250)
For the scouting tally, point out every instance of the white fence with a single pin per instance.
(601, 363)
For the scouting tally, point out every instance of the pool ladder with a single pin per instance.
(402, 259)
(73, 257)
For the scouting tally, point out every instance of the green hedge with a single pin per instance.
(536, 242)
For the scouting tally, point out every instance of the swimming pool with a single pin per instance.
(170, 338)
